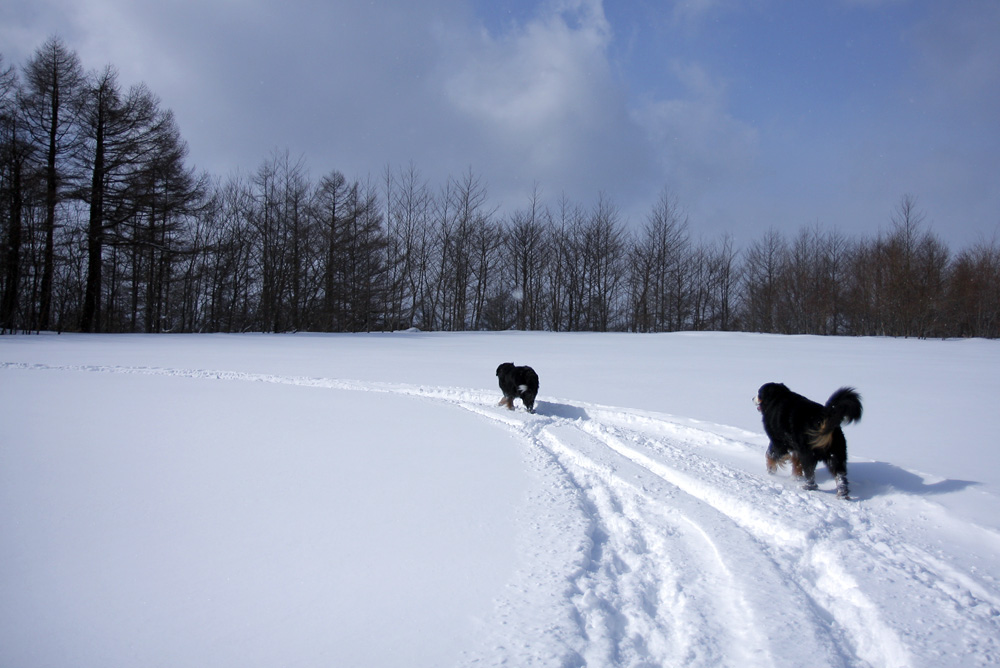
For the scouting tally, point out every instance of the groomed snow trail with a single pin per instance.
(681, 553)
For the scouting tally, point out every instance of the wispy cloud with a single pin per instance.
(699, 142)
(544, 98)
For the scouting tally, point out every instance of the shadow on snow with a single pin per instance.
(564, 411)
(870, 479)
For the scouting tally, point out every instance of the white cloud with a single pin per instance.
(547, 105)
(538, 77)
(699, 143)
(544, 100)
(540, 84)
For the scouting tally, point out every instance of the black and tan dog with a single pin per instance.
(518, 381)
(807, 433)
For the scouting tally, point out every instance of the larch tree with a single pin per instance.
(53, 79)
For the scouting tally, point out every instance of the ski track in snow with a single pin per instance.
(685, 559)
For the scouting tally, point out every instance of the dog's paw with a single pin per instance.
(810, 485)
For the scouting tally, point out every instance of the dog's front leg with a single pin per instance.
(770, 459)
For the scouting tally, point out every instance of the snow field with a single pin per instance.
(606, 536)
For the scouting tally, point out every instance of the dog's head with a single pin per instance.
(506, 367)
(767, 393)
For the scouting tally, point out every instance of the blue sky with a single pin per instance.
(753, 114)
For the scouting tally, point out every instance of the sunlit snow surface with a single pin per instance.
(361, 500)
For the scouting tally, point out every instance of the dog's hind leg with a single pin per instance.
(796, 466)
(807, 472)
(843, 492)
(839, 471)
(836, 461)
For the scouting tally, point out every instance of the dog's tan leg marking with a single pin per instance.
(779, 463)
(796, 467)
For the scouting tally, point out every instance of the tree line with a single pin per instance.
(105, 228)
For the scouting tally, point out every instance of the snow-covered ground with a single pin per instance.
(361, 500)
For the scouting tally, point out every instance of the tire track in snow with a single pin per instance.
(734, 609)
(810, 596)
(691, 561)
(702, 603)
(841, 554)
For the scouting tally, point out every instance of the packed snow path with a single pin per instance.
(684, 554)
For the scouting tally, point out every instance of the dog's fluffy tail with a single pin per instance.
(844, 405)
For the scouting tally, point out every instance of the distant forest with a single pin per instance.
(105, 228)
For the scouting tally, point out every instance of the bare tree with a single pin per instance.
(124, 140)
(233, 282)
(562, 276)
(169, 193)
(721, 281)
(602, 240)
(908, 280)
(660, 262)
(836, 264)
(53, 78)
(809, 289)
(364, 270)
(527, 250)
(462, 209)
(330, 208)
(105, 99)
(14, 154)
(487, 242)
(271, 239)
(974, 291)
(763, 267)
(408, 202)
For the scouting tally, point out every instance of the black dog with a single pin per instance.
(808, 433)
(518, 381)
